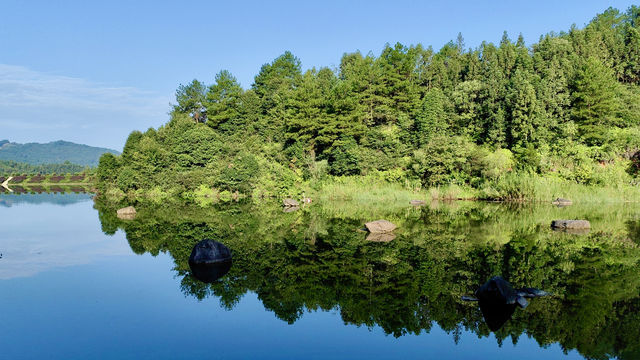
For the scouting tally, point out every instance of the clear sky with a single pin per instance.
(93, 71)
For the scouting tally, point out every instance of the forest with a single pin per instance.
(498, 121)
(15, 168)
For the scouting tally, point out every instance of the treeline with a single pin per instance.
(566, 107)
(18, 168)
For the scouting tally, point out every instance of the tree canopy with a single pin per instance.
(570, 101)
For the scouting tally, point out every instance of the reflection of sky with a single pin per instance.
(132, 308)
(8, 200)
(64, 295)
(37, 237)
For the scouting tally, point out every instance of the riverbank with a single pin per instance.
(372, 192)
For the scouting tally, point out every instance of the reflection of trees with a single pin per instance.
(306, 261)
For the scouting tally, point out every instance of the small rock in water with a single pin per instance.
(127, 213)
(381, 237)
(562, 202)
(290, 203)
(380, 226)
(570, 224)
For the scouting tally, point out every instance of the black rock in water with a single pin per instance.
(209, 260)
(208, 273)
(497, 290)
(209, 252)
(496, 314)
(498, 300)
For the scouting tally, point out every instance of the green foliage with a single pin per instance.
(239, 174)
(496, 164)
(594, 100)
(568, 107)
(344, 158)
(442, 160)
(14, 168)
(224, 102)
(528, 158)
(191, 100)
(107, 169)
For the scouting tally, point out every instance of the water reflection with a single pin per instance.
(316, 259)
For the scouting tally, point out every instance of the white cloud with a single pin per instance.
(36, 106)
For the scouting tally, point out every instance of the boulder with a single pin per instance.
(380, 226)
(290, 203)
(561, 202)
(570, 224)
(208, 273)
(417, 202)
(381, 237)
(209, 260)
(127, 213)
(498, 300)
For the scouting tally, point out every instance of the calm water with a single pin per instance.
(77, 283)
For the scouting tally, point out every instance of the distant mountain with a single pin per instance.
(56, 152)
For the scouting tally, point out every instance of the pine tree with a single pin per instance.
(593, 100)
(224, 100)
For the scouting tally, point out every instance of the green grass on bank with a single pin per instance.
(514, 188)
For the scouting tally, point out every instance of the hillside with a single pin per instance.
(507, 121)
(56, 152)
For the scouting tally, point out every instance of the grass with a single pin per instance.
(526, 187)
(365, 190)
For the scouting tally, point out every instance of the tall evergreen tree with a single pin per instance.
(594, 100)
(224, 100)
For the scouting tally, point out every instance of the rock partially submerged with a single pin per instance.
(127, 213)
(570, 224)
(381, 237)
(498, 300)
(209, 252)
(561, 202)
(380, 226)
(417, 202)
(209, 260)
(290, 203)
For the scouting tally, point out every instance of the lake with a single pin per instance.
(76, 282)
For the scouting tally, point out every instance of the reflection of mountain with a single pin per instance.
(8, 200)
(314, 259)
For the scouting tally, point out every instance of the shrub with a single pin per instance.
(443, 160)
(496, 164)
(344, 158)
(239, 174)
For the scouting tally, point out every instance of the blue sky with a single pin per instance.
(91, 72)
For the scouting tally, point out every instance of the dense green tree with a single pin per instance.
(344, 157)
(524, 125)
(191, 99)
(224, 102)
(432, 120)
(594, 100)
(274, 86)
